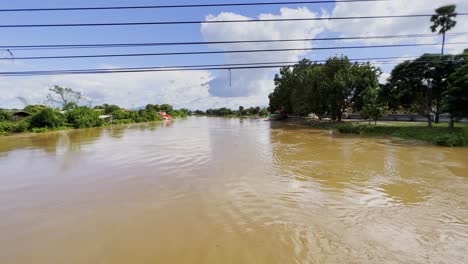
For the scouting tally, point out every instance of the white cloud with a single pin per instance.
(258, 82)
(384, 77)
(396, 26)
(125, 89)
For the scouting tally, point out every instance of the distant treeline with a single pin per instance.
(39, 118)
(252, 111)
(429, 85)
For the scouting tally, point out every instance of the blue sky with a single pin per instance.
(191, 89)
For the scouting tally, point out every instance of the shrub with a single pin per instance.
(449, 140)
(5, 127)
(21, 126)
(40, 130)
(465, 135)
(5, 116)
(83, 117)
(8, 127)
(348, 129)
(141, 120)
(123, 121)
(47, 117)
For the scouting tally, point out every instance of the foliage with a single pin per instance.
(373, 106)
(47, 117)
(5, 127)
(21, 126)
(70, 106)
(83, 117)
(64, 96)
(199, 112)
(443, 21)
(419, 86)
(32, 109)
(5, 116)
(437, 135)
(252, 111)
(456, 97)
(327, 89)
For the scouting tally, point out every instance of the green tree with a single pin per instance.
(345, 82)
(109, 109)
(373, 107)
(443, 21)
(63, 96)
(456, 97)
(241, 110)
(419, 85)
(83, 117)
(70, 106)
(47, 118)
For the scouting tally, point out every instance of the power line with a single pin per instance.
(214, 21)
(238, 66)
(149, 44)
(183, 6)
(224, 52)
(232, 64)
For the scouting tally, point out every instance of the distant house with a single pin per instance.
(20, 115)
(107, 118)
(165, 115)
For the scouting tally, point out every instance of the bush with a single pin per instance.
(8, 127)
(21, 126)
(465, 135)
(40, 130)
(141, 120)
(123, 121)
(449, 140)
(5, 116)
(348, 129)
(47, 117)
(83, 117)
(5, 127)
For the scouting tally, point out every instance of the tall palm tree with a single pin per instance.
(443, 22)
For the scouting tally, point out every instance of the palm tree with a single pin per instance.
(443, 22)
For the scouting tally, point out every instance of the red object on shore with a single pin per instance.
(165, 115)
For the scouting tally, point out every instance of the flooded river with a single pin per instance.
(213, 190)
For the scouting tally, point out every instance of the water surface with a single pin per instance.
(213, 190)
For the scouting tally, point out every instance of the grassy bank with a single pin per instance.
(438, 135)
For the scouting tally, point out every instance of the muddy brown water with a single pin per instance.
(214, 190)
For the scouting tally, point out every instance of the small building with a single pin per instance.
(20, 115)
(165, 115)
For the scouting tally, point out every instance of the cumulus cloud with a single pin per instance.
(126, 89)
(258, 82)
(368, 27)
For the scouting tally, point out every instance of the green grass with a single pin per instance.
(438, 135)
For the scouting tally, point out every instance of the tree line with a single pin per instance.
(223, 111)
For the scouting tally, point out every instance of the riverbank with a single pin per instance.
(42, 130)
(440, 134)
